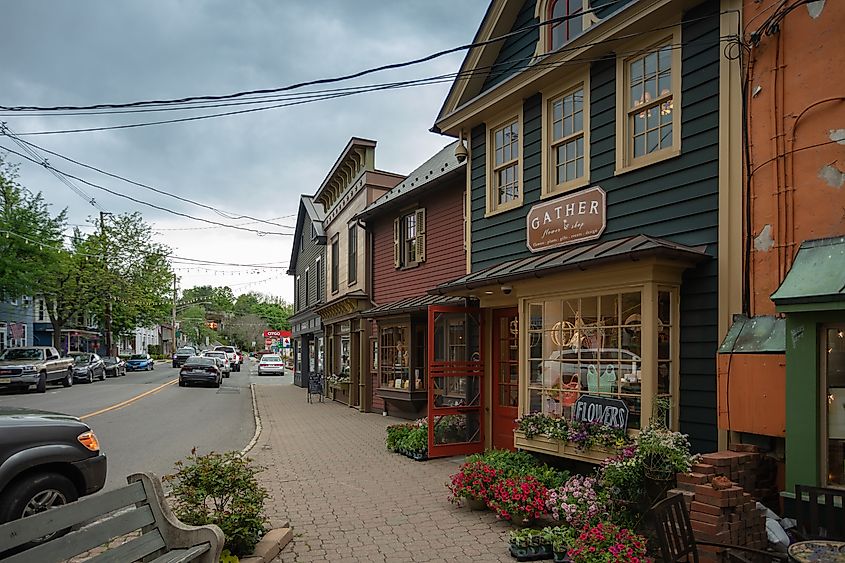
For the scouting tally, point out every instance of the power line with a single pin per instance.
(341, 78)
(5, 131)
(49, 166)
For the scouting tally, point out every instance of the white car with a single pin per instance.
(232, 354)
(226, 366)
(271, 364)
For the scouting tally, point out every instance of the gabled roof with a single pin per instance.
(357, 156)
(314, 211)
(437, 168)
(576, 257)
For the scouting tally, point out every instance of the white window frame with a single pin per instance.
(493, 205)
(625, 160)
(550, 186)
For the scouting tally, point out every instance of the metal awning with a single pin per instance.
(756, 335)
(575, 258)
(817, 275)
(411, 305)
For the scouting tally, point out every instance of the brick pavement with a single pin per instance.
(348, 499)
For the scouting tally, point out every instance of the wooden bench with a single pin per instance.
(138, 509)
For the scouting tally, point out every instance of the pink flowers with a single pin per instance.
(578, 502)
(607, 543)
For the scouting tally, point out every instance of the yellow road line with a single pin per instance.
(128, 401)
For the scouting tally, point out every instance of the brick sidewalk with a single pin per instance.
(348, 499)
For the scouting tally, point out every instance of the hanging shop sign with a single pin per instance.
(570, 219)
(272, 334)
(610, 412)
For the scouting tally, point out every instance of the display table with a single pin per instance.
(817, 551)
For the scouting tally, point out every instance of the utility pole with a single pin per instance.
(173, 326)
(108, 286)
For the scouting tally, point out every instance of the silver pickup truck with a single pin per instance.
(21, 368)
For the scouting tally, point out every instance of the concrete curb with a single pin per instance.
(270, 545)
(257, 418)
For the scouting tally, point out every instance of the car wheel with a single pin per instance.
(103, 375)
(68, 380)
(152, 366)
(181, 383)
(41, 386)
(217, 383)
(90, 377)
(31, 494)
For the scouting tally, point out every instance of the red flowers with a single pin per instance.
(607, 543)
(473, 481)
(518, 498)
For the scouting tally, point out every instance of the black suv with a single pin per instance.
(46, 459)
(183, 354)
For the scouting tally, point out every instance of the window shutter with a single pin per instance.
(421, 235)
(397, 259)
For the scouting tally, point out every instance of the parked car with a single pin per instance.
(46, 459)
(138, 362)
(183, 354)
(271, 364)
(200, 369)
(115, 367)
(232, 354)
(224, 357)
(21, 368)
(87, 366)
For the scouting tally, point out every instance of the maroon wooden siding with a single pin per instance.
(444, 252)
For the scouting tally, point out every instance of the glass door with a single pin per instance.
(455, 374)
(833, 385)
(506, 376)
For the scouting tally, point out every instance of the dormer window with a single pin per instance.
(571, 13)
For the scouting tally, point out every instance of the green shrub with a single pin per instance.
(396, 435)
(513, 464)
(549, 476)
(221, 489)
(416, 441)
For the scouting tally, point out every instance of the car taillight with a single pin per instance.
(89, 440)
(211, 370)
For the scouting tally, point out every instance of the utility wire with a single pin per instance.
(341, 78)
(5, 131)
(49, 166)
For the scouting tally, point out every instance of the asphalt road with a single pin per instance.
(146, 422)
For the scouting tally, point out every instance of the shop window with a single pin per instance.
(648, 104)
(397, 364)
(504, 163)
(409, 239)
(352, 255)
(567, 133)
(593, 345)
(833, 366)
(307, 288)
(344, 368)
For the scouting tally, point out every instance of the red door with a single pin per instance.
(455, 375)
(505, 376)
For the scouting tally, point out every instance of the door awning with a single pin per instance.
(816, 280)
(757, 335)
(416, 304)
(575, 258)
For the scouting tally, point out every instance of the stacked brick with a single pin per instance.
(720, 507)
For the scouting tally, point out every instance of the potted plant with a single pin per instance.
(528, 544)
(578, 502)
(520, 499)
(559, 538)
(607, 543)
(473, 484)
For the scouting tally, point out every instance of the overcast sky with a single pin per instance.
(83, 53)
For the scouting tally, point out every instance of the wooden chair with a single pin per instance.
(678, 543)
(822, 515)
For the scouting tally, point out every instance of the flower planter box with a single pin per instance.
(531, 553)
(339, 386)
(544, 444)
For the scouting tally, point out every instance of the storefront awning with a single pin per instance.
(817, 276)
(757, 335)
(575, 258)
(411, 305)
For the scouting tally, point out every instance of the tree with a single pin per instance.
(244, 330)
(216, 299)
(31, 237)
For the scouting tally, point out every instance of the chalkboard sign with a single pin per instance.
(610, 412)
(315, 385)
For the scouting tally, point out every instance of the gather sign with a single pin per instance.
(567, 220)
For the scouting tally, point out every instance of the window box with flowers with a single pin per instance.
(590, 442)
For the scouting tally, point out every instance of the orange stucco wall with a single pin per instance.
(752, 393)
(796, 99)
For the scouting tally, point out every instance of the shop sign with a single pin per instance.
(610, 412)
(272, 334)
(570, 219)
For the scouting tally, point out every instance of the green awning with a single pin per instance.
(817, 276)
(757, 335)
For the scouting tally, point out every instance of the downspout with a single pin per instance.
(364, 326)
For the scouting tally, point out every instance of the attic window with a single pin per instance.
(570, 27)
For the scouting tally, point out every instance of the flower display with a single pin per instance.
(338, 379)
(578, 502)
(521, 498)
(607, 543)
(584, 435)
(474, 480)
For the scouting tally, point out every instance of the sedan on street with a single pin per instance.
(183, 354)
(227, 366)
(115, 367)
(200, 369)
(270, 364)
(138, 362)
(87, 366)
